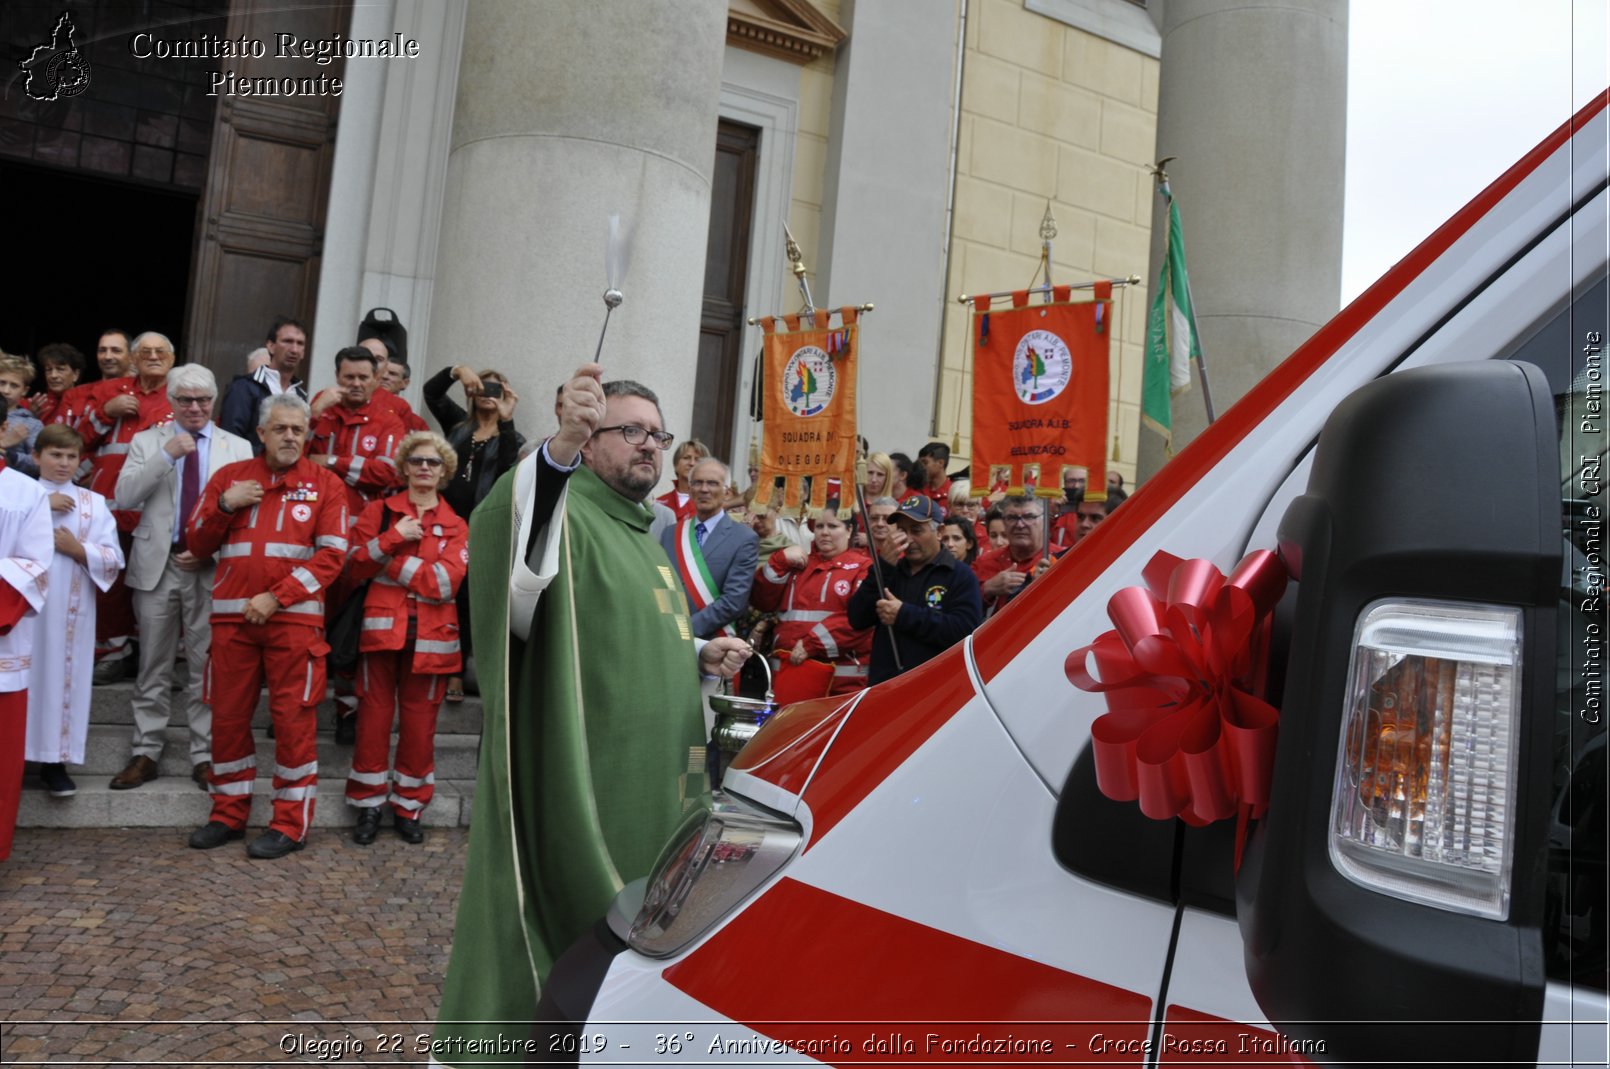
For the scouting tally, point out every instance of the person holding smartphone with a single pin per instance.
(487, 445)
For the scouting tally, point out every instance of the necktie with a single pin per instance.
(189, 493)
(699, 532)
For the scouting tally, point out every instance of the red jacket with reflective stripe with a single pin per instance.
(107, 438)
(422, 577)
(364, 442)
(292, 543)
(75, 401)
(995, 561)
(812, 602)
(400, 408)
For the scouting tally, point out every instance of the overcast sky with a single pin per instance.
(1443, 95)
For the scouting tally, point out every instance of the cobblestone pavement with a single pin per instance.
(125, 947)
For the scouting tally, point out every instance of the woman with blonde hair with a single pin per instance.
(415, 550)
(486, 444)
(679, 498)
(964, 504)
(879, 476)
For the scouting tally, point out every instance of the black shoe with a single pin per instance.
(108, 670)
(273, 844)
(346, 730)
(409, 831)
(368, 826)
(57, 781)
(214, 833)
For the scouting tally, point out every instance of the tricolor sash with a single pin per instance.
(696, 577)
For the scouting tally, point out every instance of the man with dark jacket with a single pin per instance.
(286, 344)
(930, 600)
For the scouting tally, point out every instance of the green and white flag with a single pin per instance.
(1171, 339)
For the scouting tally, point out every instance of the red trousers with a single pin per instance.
(13, 733)
(290, 657)
(388, 689)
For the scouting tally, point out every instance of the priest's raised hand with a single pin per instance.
(581, 413)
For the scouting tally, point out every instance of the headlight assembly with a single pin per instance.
(718, 857)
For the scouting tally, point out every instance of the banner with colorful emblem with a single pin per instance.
(1040, 392)
(810, 420)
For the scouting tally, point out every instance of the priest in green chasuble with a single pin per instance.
(593, 737)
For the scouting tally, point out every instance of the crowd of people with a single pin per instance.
(311, 542)
(284, 540)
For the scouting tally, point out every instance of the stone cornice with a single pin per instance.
(788, 29)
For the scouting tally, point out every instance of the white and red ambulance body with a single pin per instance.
(929, 862)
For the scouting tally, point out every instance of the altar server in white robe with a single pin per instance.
(87, 557)
(25, 552)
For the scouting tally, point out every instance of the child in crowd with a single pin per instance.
(22, 426)
(87, 557)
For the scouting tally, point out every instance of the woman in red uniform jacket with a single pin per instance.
(679, 499)
(810, 593)
(414, 549)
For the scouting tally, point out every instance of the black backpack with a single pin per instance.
(383, 323)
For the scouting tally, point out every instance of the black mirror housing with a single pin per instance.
(1437, 483)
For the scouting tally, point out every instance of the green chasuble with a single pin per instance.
(592, 748)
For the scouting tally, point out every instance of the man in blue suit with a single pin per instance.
(715, 555)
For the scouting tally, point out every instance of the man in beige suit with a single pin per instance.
(166, 469)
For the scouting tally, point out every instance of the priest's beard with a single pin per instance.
(630, 480)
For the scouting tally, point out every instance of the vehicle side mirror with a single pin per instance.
(1391, 903)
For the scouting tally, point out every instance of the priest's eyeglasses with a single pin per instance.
(635, 435)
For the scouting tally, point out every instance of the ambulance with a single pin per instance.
(1403, 860)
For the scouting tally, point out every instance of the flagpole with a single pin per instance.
(1048, 230)
(1167, 192)
(968, 298)
(868, 307)
(1117, 320)
(796, 262)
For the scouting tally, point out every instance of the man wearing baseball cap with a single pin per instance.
(929, 600)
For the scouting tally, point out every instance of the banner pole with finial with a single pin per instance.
(796, 264)
(1048, 230)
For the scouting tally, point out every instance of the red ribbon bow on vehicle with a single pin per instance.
(1184, 733)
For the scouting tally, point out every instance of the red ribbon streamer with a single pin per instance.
(1185, 733)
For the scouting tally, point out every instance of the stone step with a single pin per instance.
(112, 704)
(175, 802)
(106, 751)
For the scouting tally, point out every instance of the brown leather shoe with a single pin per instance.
(140, 770)
(202, 774)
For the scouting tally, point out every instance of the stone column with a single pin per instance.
(883, 209)
(1253, 102)
(393, 209)
(352, 178)
(568, 111)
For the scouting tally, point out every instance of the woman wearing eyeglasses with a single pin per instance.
(414, 548)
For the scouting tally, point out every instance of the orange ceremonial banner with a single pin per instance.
(809, 410)
(1040, 392)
